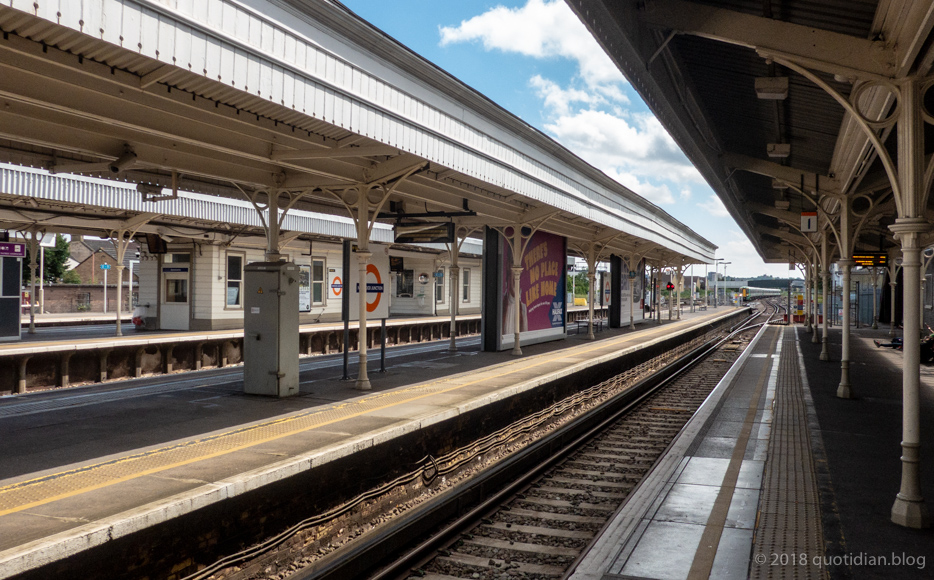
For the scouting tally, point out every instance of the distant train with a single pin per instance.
(750, 293)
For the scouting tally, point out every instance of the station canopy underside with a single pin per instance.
(301, 98)
(755, 91)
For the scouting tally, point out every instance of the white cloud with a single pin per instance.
(657, 194)
(714, 207)
(559, 100)
(540, 29)
(590, 116)
(630, 143)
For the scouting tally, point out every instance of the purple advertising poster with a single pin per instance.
(541, 286)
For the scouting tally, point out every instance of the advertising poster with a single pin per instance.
(541, 288)
(632, 291)
(304, 288)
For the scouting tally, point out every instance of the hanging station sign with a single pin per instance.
(424, 233)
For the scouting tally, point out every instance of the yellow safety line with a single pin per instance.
(26, 494)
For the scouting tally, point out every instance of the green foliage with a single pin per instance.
(579, 282)
(55, 258)
(71, 277)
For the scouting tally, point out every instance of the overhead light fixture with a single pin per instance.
(772, 88)
(779, 184)
(782, 204)
(778, 150)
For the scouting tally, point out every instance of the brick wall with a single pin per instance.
(62, 298)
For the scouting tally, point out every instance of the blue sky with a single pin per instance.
(535, 59)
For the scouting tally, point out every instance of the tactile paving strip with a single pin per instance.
(26, 494)
(789, 537)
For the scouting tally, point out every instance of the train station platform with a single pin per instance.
(775, 477)
(106, 463)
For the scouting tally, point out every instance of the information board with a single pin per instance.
(304, 288)
(870, 259)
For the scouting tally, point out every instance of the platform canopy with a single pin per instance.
(756, 92)
(297, 96)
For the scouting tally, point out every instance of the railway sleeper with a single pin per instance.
(501, 564)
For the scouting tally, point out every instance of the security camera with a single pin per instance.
(148, 189)
(123, 162)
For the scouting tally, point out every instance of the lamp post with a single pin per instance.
(716, 281)
(724, 279)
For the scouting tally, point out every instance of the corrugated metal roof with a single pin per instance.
(234, 54)
(97, 193)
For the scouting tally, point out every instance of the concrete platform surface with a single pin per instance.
(91, 464)
(776, 477)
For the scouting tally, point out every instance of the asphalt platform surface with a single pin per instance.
(861, 439)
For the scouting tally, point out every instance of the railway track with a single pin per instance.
(534, 521)
(540, 532)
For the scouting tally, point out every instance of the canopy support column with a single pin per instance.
(825, 272)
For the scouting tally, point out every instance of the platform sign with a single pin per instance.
(376, 284)
(808, 221)
(12, 250)
(870, 259)
(105, 266)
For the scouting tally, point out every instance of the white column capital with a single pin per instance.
(907, 230)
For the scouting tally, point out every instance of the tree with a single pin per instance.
(71, 277)
(55, 259)
(579, 282)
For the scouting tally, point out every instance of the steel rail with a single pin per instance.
(489, 489)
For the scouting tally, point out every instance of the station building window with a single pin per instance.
(439, 286)
(176, 291)
(465, 285)
(234, 280)
(405, 284)
(317, 281)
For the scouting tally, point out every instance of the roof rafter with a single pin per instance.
(821, 49)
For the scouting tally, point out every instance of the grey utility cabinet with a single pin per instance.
(270, 327)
